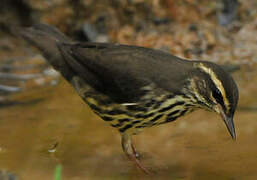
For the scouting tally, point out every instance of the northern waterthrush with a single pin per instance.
(133, 88)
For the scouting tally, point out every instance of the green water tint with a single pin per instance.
(58, 172)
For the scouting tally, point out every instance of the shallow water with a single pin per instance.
(197, 146)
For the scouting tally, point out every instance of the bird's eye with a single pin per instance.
(218, 96)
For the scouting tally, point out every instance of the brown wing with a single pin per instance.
(121, 71)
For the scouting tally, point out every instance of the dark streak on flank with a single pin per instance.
(135, 122)
(107, 118)
(171, 106)
(156, 118)
(116, 125)
(94, 107)
(183, 112)
(115, 112)
(136, 108)
(124, 120)
(194, 97)
(158, 104)
(126, 127)
(169, 96)
(144, 115)
(100, 99)
(148, 123)
(150, 103)
(140, 126)
(188, 105)
(121, 122)
(172, 113)
(105, 101)
(170, 119)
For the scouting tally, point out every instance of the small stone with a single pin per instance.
(89, 31)
(51, 72)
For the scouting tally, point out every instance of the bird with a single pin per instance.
(132, 87)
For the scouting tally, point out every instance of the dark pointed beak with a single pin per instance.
(230, 126)
(229, 123)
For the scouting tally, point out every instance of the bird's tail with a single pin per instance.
(46, 39)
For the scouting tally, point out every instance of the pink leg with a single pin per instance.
(130, 151)
(134, 150)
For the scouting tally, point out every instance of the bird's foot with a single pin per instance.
(132, 154)
(134, 159)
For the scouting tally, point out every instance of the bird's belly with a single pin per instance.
(133, 119)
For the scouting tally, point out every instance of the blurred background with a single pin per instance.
(39, 109)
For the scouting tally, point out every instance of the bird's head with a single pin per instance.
(215, 90)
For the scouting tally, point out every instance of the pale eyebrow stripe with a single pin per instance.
(217, 82)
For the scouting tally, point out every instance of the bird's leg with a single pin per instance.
(130, 151)
(134, 150)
